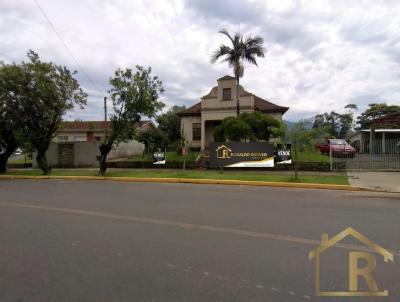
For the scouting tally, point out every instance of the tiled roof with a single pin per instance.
(259, 105)
(90, 125)
(194, 110)
(267, 107)
(227, 77)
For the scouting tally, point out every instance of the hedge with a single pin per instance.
(304, 166)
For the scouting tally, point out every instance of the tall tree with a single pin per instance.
(10, 119)
(302, 138)
(47, 92)
(241, 50)
(335, 125)
(169, 123)
(133, 94)
(152, 139)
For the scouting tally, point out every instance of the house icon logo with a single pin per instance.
(354, 270)
(223, 152)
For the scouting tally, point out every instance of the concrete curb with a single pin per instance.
(197, 181)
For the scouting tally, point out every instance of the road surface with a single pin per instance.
(113, 241)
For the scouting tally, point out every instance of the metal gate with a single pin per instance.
(376, 156)
(65, 155)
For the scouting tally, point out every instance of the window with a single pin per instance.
(62, 138)
(226, 94)
(196, 135)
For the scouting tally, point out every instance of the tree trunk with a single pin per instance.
(3, 162)
(237, 97)
(10, 148)
(42, 161)
(105, 148)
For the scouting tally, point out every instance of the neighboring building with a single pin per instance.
(88, 131)
(384, 140)
(198, 121)
(383, 135)
(76, 144)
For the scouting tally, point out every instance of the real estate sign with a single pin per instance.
(159, 158)
(242, 155)
(283, 154)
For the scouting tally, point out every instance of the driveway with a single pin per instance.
(386, 181)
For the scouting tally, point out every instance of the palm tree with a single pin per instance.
(242, 50)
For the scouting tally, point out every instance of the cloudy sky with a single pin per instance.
(321, 55)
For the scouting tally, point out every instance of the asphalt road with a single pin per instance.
(113, 241)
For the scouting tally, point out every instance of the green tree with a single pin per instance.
(302, 137)
(219, 133)
(236, 129)
(47, 92)
(241, 50)
(263, 126)
(347, 120)
(133, 94)
(376, 110)
(336, 125)
(152, 139)
(10, 119)
(329, 123)
(170, 124)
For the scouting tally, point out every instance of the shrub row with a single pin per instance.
(150, 165)
(19, 166)
(304, 166)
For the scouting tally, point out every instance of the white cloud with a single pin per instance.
(321, 54)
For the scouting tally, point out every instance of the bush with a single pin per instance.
(254, 126)
(235, 129)
(150, 165)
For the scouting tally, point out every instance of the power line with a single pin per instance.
(67, 48)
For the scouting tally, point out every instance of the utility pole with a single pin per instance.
(105, 116)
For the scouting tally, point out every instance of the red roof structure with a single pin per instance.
(259, 105)
(91, 125)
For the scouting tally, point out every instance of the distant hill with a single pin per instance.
(289, 124)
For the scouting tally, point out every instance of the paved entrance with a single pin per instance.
(387, 181)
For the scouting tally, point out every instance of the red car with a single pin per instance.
(339, 148)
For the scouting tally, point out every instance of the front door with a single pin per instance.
(209, 129)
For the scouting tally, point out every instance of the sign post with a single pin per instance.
(283, 154)
(160, 157)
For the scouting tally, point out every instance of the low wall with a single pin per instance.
(51, 155)
(85, 154)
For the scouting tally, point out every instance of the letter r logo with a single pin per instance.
(365, 272)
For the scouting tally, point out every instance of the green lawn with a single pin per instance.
(313, 157)
(208, 174)
(171, 156)
(19, 159)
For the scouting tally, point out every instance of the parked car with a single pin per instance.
(339, 148)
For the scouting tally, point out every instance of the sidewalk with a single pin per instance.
(385, 181)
